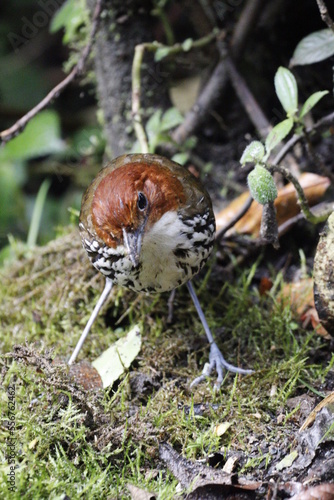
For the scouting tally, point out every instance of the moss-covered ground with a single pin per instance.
(69, 441)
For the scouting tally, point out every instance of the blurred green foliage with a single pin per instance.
(63, 143)
(71, 16)
(40, 137)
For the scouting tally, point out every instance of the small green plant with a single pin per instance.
(260, 180)
(72, 15)
(157, 130)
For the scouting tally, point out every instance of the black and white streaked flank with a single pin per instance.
(173, 251)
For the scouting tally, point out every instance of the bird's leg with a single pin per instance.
(216, 359)
(171, 306)
(107, 287)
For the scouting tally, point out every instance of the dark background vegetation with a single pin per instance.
(28, 71)
(74, 442)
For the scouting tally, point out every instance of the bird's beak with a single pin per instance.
(133, 242)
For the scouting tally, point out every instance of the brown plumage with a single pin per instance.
(147, 224)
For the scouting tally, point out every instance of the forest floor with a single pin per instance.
(150, 430)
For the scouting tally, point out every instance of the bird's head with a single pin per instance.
(130, 199)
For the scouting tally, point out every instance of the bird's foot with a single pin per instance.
(217, 363)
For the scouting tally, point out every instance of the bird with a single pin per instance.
(147, 224)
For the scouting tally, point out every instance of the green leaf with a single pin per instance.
(171, 118)
(190, 143)
(181, 158)
(88, 141)
(153, 129)
(312, 101)
(277, 134)
(113, 362)
(40, 137)
(262, 185)
(286, 90)
(35, 222)
(12, 202)
(253, 153)
(161, 53)
(187, 44)
(314, 48)
(71, 15)
(154, 123)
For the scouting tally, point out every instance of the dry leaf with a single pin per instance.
(310, 419)
(321, 492)
(140, 494)
(230, 464)
(86, 375)
(299, 296)
(220, 429)
(287, 208)
(287, 460)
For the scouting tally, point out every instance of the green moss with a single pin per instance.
(90, 445)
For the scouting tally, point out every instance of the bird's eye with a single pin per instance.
(142, 201)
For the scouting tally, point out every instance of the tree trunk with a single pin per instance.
(124, 24)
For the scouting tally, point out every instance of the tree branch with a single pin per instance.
(247, 99)
(325, 14)
(217, 82)
(19, 126)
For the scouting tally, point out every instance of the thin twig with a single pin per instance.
(310, 217)
(324, 122)
(136, 89)
(246, 23)
(325, 14)
(249, 102)
(19, 126)
(214, 88)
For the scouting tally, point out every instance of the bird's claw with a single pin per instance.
(217, 363)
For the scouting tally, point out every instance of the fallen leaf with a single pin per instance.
(299, 296)
(220, 429)
(300, 406)
(86, 375)
(206, 482)
(310, 419)
(310, 440)
(230, 464)
(286, 205)
(320, 492)
(265, 286)
(287, 460)
(113, 362)
(140, 494)
(33, 443)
